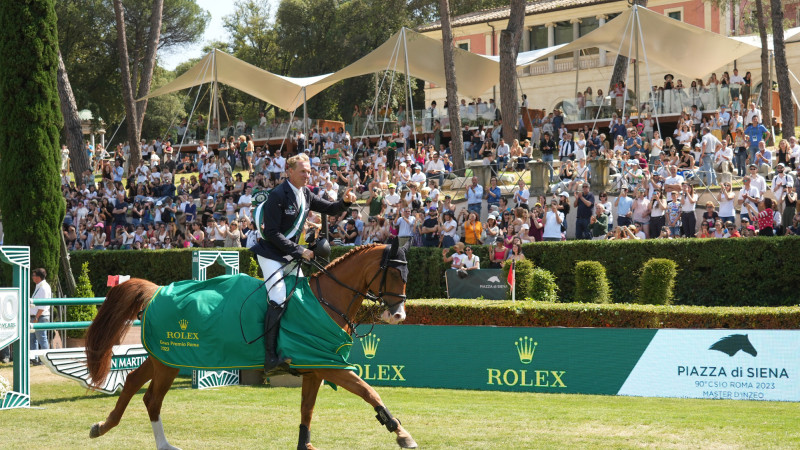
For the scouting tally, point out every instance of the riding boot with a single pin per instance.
(272, 321)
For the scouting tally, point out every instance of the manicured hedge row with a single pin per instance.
(543, 314)
(167, 266)
(711, 272)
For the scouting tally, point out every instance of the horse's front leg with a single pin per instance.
(353, 383)
(311, 383)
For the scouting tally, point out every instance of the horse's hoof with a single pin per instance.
(404, 439)
(310, 447)
(94, 432)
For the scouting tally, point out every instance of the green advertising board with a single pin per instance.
(554, 360)
(489, 284)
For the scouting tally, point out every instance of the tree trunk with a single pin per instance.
(69, 279)
(453, 112)
(127, 88)
(621, 63)
(782, 70)
(149, 58)
(766, 83)
(133, 111)
(509, 48)
(78, 159)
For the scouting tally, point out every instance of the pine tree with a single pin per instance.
(30, 118)
(83, 289)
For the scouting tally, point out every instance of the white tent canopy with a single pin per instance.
(529, 57)
(283, 92)
(405, 51)
(425, 59)
(666, 43)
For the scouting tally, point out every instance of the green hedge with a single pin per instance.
(711, 272)
(657, 282)
(544, 314)
(591, 284)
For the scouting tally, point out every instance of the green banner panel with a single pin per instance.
(554, 360)
(489, 284)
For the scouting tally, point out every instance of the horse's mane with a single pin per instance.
(346, 256)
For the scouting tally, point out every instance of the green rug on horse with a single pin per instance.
(208, 324)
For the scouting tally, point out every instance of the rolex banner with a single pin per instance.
(730, 364)
(489, 284)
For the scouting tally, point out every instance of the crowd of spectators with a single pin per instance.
(206, 199)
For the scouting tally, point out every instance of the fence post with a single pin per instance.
(19, 257)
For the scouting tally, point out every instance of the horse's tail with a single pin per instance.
(114, 317)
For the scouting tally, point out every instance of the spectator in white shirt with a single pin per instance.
(40, 314)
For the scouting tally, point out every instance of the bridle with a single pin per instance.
(387, 262)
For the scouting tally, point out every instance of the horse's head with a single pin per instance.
(393, 279)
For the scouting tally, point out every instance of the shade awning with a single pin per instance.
(425, 59)
(665, 43)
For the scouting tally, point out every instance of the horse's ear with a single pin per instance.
(393, 248)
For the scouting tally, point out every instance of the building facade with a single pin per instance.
(550, 83)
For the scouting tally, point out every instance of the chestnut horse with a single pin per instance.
(345, 283)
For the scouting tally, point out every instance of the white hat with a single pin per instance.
(158, 203)
(564, 194)
(402, 164)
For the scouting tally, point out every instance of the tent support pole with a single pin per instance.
(408, 81)
(305, 119)
(636, 91)
(216, 102)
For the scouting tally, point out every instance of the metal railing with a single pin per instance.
(78, 325)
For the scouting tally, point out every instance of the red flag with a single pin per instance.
(511, 274)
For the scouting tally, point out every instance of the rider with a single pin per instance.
(280, 220)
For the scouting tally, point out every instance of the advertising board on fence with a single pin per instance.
(732, 364)
(489, 284)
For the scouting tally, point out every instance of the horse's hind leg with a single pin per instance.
(353, 383)
(163, 376)
(311, 383)
(133, 383)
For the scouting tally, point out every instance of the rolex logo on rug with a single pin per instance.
(183, 323)
(370, 345)
(525, 349)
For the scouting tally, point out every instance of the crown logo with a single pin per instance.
(370, 345)
(183, 323)
(525, 348)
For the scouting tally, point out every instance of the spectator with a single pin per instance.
(40, 314)
(599, 223)
(456, 260)
(430, 229)
(749, 197)
(475, 196)
(688, 218)
(470, 261)
(405, 225)
(491, 230)
(624, 205)
(497, 254)
(473, 230)
(493, 193)
(552, 221)
(584, 201)
(674, 213)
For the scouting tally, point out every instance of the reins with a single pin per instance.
(369, 295)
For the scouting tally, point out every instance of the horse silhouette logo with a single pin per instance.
(494, 279)
(731, 345)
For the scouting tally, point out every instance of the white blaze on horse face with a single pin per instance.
(397, 317)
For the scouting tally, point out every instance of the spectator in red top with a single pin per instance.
(765, 217)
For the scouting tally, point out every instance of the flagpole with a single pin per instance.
(513, 283)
